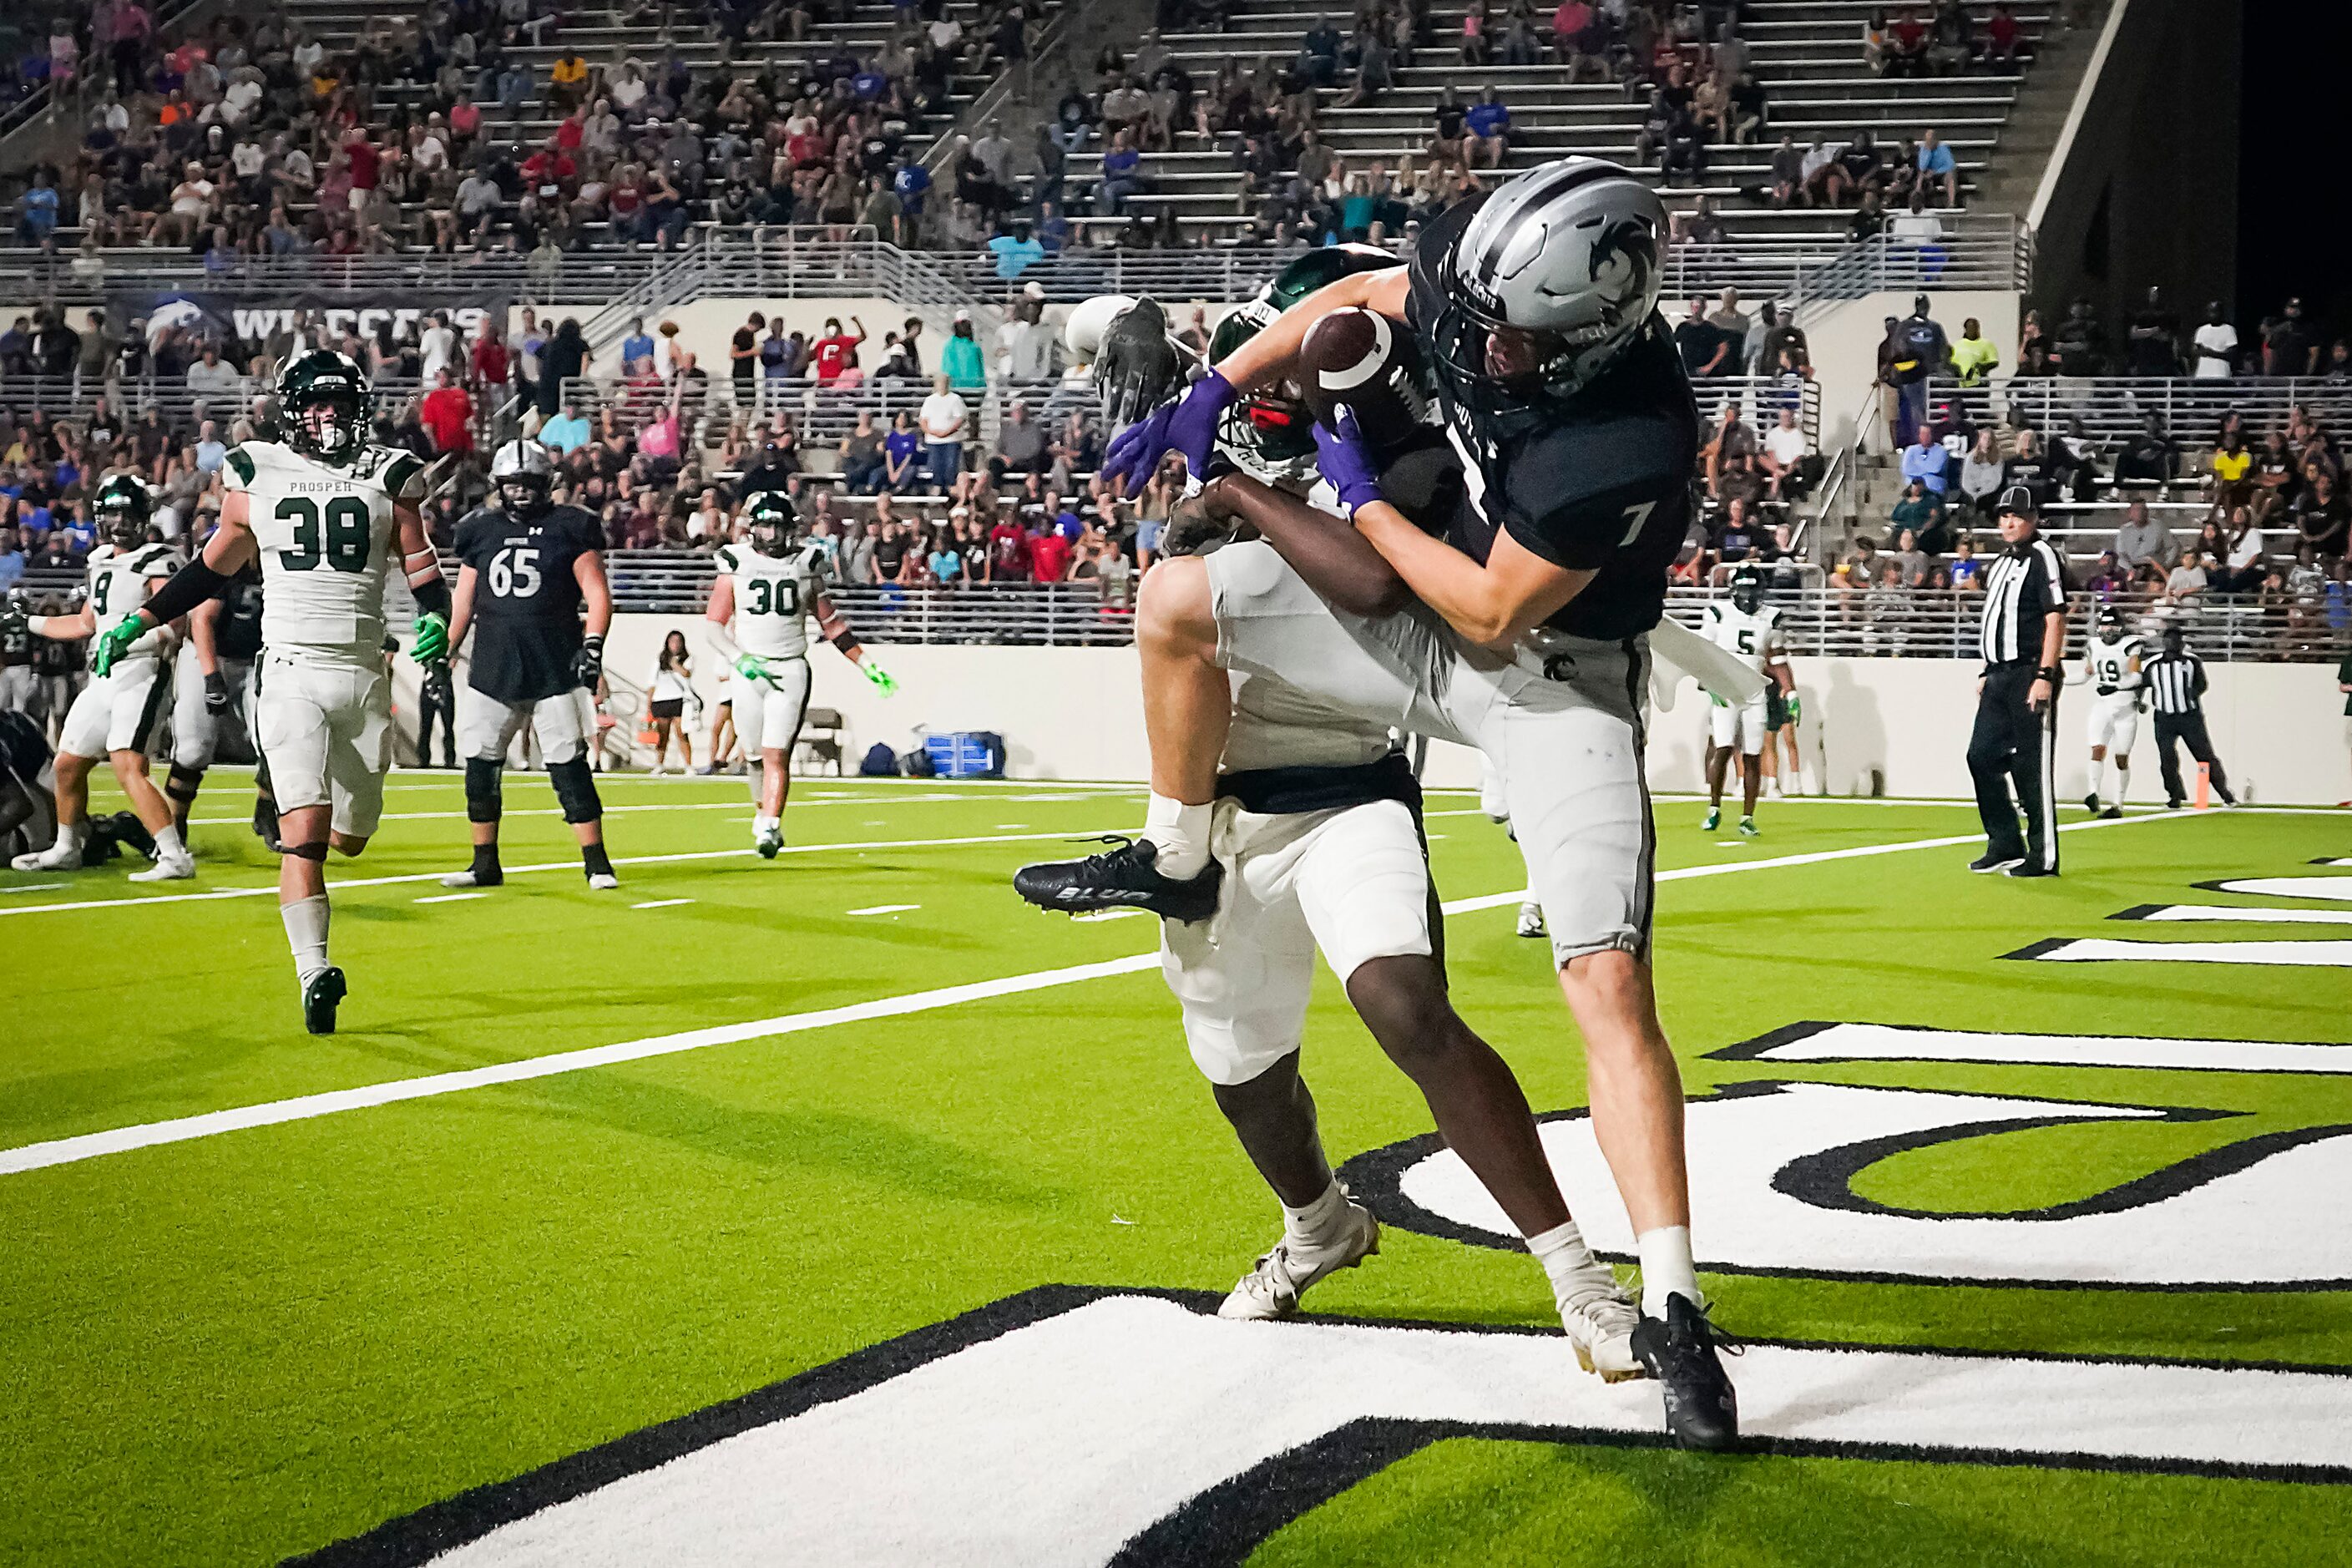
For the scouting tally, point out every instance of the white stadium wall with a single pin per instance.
(1898, 726)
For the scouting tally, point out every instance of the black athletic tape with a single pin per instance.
(484, 794)
(432, 597)
(846, 641)
(575, 790)
(182, 783)
(305, 851)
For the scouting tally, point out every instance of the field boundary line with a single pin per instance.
(210, 1123)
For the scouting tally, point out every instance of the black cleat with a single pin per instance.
(2091, 802)
(1702, 1410)
(2025, 868)
(130, 831)
(1124, 877)
(1994, 861)
(2110, 814)
(324, 990)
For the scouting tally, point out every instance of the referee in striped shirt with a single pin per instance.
(2022, 632)
(2176, 687)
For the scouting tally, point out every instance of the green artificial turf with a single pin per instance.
(252, 1344)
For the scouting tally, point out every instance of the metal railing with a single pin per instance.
(1066, 615)
(583, 277)
(76, 397)
(1972, 250)
(2113, 408)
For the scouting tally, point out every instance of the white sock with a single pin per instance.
(168, 844)
(74, 833)
(306, 932)
(1667, 1269)
(1567, 1262)
(762, 823)
(2123, 786)
(1180, 834)
(1318, 1222)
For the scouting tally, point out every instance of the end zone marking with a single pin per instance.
(2231, 913)
(2315, 954)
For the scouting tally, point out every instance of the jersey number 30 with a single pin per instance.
(345, 545)
(514, 572)
(772, 598)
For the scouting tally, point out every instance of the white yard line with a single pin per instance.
(571, 864)
(180, 1130)
(886, 909)
(661, 903)
(452, 898)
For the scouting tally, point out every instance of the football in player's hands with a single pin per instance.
(1361, 360)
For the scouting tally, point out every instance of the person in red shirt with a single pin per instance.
(1049, 555)
(449, 415)
(365, 163)
(1008, 552)
(465, 118)
(571, 129)
(837, 351)
(492, 362)
(551, 165)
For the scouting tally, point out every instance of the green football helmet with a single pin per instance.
(1270, 433)
(323, 406)
(772, 522)
(122, 509)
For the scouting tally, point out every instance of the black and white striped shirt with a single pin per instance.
(2176, 682)
(2027, 583)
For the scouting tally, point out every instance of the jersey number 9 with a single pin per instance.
(346, 541)
(769, 597)
(514, 572)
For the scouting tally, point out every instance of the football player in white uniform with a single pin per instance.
(2111, 668)
(328, 514)
(760, 602)
(1750, 630)
(119, 715)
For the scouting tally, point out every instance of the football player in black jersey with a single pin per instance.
(527, 568)
(1568, 406)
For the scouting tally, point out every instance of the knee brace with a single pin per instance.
(483, 800)
(313, 851)
(181, 783)
(575, 790)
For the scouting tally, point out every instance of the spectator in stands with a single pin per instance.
(861, 456)
(567, 432)
(1019, 444)
(1927, 462)
(2216, 345)
(2003, 38)
(2246, 559)
(1935, 167)
(901, 453)
(2289, 345)
(2321, 516)
(2149, 457)
(2188, 580)
(2153, 339)
(448, 414)
(1974, 356)
(1486, 131)
(1319, 53)
(946, 419)
(961, 358)
(2142, 541)
(211, 377)
(1918, 515)
(1704, 352)
(835, 352)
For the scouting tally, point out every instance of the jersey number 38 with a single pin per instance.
(344, 545)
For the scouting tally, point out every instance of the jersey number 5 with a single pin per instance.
(768, 597)
(345, 545)
(514, 572)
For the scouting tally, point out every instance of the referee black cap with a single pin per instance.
(2017, 501)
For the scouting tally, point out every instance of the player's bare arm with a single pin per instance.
(1493, 606)
(461, 606)
(718, 615)
(595, 595)
(1274, 353)
(1338, 562)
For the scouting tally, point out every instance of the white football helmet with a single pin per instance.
(523, 474)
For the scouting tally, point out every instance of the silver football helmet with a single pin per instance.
(523, 474)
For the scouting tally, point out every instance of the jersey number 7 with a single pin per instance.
(1637, 517)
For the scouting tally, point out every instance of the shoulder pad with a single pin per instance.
(726, 559)
(240, 466)
(153, 556)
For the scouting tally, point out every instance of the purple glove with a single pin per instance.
(1186, 426)
(1348, 460)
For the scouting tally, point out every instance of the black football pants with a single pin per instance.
(2014, 745)
(430, 712)
(2188, 729)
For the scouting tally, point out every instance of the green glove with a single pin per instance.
(113, 643)
(751, 666)
(1796, 709)
(432, 639)
(879, 677)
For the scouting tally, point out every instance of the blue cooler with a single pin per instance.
(967, 754)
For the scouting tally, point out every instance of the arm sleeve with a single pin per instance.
(189, 586)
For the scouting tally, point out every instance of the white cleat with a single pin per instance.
(62, 856)
(1531, 919)
(603, 882)
(176, 868)
(459, 880)
(1599, 1319)
(1272, 1288)
(769, 842)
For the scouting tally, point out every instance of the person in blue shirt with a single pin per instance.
(1487, 128)
(901, 455)
(960, 359)
(1119, 176)
(1319, 53)
(912, 183)
(945, 563)
(1936, 163)
(1015, 252)
(636, 349)
(567, 432)
(869, 83)
(80, 532)
(1053, 229)
(36, 209)
(1928, 462)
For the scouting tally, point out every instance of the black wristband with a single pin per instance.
(846, 641)
(432, 597)
(2050, 673)
(189, 586)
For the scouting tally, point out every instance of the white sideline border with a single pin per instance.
(184, 1129)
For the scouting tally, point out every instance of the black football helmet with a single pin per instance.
(122, 509)
(2110, 620)
(1747, 590)
(770, 516)
(323, 404)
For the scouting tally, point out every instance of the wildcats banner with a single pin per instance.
(226, 320)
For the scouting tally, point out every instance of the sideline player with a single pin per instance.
(1748, 630)
(1578, 439)
(20, 683)
(28, 819)
(326, 513)
(2111, 665)
(116, 714)
(759, 610)
(527, 568)
(1784, 770)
